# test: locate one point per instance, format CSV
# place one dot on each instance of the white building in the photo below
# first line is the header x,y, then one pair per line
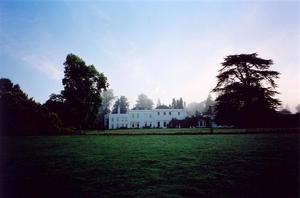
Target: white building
x,y
155,118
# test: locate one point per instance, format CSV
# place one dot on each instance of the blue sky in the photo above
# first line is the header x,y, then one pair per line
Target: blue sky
x,y
164,49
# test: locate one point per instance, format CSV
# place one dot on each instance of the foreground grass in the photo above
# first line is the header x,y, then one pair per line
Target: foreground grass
x,y
240,165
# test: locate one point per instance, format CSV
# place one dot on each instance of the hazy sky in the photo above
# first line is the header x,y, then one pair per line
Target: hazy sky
x,y
164,49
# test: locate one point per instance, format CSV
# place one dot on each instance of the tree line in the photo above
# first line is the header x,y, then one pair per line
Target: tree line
x,y
246,97
75,108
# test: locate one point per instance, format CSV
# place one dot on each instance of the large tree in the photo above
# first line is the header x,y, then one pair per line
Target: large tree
x,y
246,90
122,104
82,88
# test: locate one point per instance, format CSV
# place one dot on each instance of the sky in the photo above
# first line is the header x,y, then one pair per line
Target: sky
x,y
164,49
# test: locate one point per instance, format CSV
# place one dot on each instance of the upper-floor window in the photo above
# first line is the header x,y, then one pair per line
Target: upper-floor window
x,y
170,113
112,119
164,113
137,115
117,119
133,115
178,113
158,113
150,116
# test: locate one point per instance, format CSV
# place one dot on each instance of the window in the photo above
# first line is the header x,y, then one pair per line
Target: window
x,y
165,124
133,115
137,115
117,119
179,113
164,113
150,116
170,113
112,119
158,124
158,113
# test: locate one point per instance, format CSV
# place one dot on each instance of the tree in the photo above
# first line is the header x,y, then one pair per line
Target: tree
x,y
246,90
107,96
298,108
21,115
180,103
208,103
82,87
158,103
177,104
174,103
121,103
143,102
56,104
194,108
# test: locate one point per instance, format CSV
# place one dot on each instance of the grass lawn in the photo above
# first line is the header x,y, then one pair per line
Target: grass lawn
x,y
232,165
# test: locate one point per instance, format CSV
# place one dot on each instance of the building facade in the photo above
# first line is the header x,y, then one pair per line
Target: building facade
x,y
155,118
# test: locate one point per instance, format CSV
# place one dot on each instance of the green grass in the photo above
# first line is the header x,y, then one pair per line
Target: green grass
x,y
236,165
191,131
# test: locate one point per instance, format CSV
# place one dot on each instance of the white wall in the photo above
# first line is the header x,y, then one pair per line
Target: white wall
x,y
141,118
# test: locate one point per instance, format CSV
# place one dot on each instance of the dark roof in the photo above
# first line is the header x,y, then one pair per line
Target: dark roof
x,y
162,107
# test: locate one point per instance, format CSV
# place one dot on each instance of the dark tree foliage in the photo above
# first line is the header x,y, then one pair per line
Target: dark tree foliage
x,y
246,90
177,104
81,95
21,115
121,103
188,122
56,104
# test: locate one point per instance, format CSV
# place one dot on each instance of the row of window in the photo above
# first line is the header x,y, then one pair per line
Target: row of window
x,y
121,119
145,115
137,115
137,125
158,113
165,113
